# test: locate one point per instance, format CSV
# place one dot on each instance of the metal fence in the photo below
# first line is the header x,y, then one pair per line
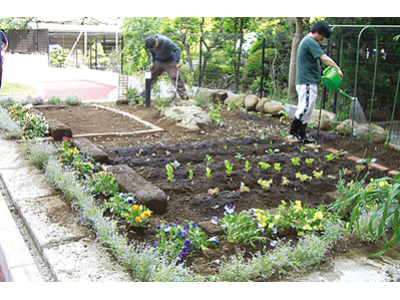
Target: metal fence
x,y
26,41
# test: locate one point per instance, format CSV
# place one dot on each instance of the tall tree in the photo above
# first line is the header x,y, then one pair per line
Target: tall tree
x,y
293,58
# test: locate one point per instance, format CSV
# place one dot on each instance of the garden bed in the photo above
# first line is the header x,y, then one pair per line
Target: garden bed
x,y
243,138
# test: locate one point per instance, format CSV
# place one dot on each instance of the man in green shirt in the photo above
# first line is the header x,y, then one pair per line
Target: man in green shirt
x,y
309,58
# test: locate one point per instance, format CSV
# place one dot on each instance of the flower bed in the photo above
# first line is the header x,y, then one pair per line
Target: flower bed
x,y
214,186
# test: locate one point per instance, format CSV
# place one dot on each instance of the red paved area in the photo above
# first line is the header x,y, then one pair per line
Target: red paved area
x,y
85,89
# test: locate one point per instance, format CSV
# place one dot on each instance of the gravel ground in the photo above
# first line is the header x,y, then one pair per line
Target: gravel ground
x,y
41,265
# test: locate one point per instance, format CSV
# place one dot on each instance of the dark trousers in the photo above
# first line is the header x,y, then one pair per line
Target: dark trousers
x,y
170,68
1,72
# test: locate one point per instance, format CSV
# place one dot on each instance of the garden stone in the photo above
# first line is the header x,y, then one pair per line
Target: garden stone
x,y
220,96
273,108
238,99
345,127
59,130
328,119
123,101
211,229
260,105
207,94
378,134
191,117
250,102
91,150
147,194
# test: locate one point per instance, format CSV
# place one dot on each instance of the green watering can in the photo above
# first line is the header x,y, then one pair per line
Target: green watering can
x,y
332,80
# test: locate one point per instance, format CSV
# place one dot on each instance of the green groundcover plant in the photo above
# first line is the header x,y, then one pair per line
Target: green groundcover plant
x,y
380,200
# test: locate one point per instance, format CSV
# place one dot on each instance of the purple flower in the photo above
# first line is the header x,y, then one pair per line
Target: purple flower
x,y
184,234
229,209
273,243
130,200
155,244
188,243
215,220
158,227
215,240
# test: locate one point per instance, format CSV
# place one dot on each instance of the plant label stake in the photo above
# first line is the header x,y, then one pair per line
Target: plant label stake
x,y
148,91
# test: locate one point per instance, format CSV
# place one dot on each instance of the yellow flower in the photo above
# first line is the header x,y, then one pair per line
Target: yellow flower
x,y
318,215
307,227
135,207
138,220
298,207
264,219
383,184
270,226
263,225
146,214
277,217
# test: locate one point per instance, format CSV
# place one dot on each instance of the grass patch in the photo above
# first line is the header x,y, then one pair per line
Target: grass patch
x,y
14,89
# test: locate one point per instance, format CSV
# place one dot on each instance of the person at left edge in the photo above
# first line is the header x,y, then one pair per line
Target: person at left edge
x,y
4,46
165,56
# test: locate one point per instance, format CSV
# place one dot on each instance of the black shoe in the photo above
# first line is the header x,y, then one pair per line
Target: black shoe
x,y
295,127
306,139
185,98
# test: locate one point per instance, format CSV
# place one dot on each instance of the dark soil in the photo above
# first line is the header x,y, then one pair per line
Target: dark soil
x,y
244,137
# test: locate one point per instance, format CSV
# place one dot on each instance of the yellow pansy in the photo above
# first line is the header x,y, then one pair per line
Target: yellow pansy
x,y
270,226
135,207
138,220
318,215
146,214
307,227
277,217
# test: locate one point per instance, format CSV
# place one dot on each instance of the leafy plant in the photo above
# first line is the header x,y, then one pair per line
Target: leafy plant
x,y
242,227
277,167
124,207
265,184
247,166
243,188
208,159
191,174
331,157
384,194
103,183
228,167
310,161
170,172
303,177
177,241
208,172
318,175
295,161
264,165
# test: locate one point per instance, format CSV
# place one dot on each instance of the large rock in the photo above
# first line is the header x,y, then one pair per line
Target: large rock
x,y
91,150
328,119
273,109
59,130
206,93
260,105
346,127
238,100
220,96
191,117
147,194
250,102
378,134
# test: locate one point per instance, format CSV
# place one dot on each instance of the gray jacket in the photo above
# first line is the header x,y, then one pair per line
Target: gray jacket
x,y
166,51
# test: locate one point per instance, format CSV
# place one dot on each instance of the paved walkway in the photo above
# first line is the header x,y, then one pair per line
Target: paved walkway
x,y
33,70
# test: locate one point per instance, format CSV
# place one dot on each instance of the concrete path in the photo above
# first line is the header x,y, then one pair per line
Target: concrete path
x,y
70,250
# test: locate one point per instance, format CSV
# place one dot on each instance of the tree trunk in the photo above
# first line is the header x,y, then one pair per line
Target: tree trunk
x,y
293,64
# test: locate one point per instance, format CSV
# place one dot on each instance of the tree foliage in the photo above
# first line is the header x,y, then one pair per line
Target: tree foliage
x,y
15,22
